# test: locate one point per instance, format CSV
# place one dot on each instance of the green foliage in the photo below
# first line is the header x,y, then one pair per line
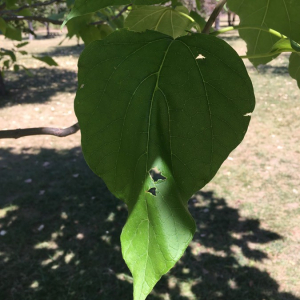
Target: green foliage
x,y
83,7
198,19
139,111
174,22
13,33
280,15
2,26
46,59
81,27
161,107
294,67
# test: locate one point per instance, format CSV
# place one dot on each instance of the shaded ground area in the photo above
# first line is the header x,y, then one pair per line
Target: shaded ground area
x,y
61,226
45,83
63,229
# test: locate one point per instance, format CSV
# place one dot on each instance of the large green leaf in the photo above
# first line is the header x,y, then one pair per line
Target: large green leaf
x,y
83,7
146,101
173,22
281,15
294,67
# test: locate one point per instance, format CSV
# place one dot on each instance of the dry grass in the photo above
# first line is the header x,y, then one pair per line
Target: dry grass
x,y
248,217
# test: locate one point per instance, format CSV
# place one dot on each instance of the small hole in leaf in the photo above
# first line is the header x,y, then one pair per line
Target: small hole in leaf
x,y
152,191
248,114
200,56
156,175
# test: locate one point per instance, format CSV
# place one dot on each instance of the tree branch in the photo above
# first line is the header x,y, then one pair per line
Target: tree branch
x,y
33,18
2,6
114,17
213,16
37,4
58,132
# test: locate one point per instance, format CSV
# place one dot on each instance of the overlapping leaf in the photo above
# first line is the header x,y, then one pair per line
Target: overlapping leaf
x,y
83,7
81,26
148,102
294,67
280,15
173,22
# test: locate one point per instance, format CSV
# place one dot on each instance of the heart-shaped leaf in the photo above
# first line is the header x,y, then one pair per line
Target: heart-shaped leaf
x,y
174,22
158,117
280,15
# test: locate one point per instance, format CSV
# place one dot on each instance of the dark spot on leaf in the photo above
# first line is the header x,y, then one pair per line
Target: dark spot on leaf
x,y
156,175
152,191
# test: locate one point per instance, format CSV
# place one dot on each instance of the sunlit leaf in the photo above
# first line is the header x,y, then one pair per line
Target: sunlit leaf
x,y
174,22
280,15
147,103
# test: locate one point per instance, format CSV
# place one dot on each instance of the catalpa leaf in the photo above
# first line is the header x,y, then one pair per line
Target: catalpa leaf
x,y
147,104
83,7
294,67
174,22
280,15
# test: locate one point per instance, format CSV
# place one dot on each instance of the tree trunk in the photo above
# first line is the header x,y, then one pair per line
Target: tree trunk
x,y
48,29
30,26
217,23
2,85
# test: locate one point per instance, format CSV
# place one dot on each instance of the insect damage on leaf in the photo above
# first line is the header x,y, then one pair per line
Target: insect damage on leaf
x,y
200,56
152,191
156,175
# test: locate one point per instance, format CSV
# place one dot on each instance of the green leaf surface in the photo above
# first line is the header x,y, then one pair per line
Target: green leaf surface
x,y
281,15
10,3
13,33
9,53
198,19
294,67
173,22
46,59
80,26
295,46
16,68
2,26
83,7
148,102
285,45
20,45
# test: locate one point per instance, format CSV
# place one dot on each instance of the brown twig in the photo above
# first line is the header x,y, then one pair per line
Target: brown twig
x,y
213,16
58,132
33,18
2,6
37,4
